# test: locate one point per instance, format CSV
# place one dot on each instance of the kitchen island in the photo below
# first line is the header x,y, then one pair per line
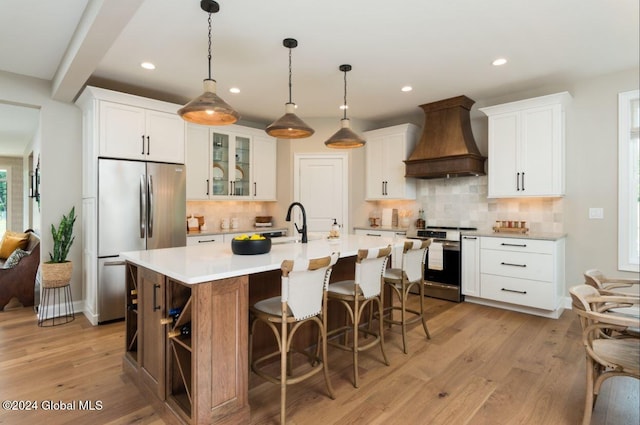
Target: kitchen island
x,y
187,321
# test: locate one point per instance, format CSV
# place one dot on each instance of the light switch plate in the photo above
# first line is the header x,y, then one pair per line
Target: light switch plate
x,y
596,213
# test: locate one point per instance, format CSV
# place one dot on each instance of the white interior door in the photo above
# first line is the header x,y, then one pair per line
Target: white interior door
x,y
321,185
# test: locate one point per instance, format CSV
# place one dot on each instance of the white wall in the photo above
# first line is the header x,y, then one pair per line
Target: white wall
x,y
592,174
324,128
60,160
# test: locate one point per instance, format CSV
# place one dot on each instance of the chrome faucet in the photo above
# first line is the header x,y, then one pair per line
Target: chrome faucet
x,y
303,231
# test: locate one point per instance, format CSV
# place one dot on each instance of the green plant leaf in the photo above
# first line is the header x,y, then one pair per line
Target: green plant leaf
x,y
63,237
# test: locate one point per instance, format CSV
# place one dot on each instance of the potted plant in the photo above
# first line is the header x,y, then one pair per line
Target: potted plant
x,y
57,271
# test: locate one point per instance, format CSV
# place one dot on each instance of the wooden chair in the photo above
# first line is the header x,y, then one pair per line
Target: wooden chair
x,y
355,295
611,286
610,349
303,299
401,281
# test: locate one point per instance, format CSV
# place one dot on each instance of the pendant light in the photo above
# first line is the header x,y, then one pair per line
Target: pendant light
x,y
289,126
209,108
345,138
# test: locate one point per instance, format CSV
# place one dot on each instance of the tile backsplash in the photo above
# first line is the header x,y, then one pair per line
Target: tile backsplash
x,y
214,212
462,201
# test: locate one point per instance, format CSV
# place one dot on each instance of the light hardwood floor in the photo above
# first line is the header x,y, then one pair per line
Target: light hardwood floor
x,y
482,366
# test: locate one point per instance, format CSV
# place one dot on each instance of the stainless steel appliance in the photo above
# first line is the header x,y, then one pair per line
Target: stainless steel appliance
x,y
442,274
141,205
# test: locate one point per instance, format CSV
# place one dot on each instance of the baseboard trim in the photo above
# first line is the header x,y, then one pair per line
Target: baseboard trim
x,y
551,314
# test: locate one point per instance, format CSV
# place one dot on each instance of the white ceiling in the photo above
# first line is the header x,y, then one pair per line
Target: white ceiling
x,y
441,48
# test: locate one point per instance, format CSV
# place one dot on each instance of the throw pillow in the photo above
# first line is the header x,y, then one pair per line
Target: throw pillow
x,y
12,241
15,258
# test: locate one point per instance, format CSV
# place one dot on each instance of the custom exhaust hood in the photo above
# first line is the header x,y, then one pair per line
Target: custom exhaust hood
x,y
447,147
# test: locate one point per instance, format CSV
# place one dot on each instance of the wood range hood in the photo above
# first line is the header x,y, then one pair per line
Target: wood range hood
x,y
447,147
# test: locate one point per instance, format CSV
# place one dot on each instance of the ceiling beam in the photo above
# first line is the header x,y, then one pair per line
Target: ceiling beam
x,y
100,25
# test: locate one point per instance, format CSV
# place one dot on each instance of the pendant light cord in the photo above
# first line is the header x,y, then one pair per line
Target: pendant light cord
x,y
209,57
345,95
290,75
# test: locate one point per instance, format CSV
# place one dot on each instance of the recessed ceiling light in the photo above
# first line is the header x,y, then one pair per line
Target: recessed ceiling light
x,y
407,88
499,61
147,65
234,90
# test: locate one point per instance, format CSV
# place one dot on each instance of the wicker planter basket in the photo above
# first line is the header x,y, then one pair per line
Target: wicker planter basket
x,y
56,275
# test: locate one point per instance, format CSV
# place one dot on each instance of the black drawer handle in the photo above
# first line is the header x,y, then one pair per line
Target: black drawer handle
x,y
514,244
514,265
514,291
469,237
208,240
372,234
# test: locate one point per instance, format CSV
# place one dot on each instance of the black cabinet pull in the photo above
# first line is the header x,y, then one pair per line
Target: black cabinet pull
x,y
373,234
469,237
142,144
518,181
383,187
514,244
148,146
523,180
255,189
514,265
514,291
206,241
207,187
155,297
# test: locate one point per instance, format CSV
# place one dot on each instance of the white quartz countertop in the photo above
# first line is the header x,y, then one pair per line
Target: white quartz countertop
x,y
207,262
531,235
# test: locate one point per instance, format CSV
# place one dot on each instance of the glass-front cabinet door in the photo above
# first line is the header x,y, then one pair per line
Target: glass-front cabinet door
x,y
241,183
221,165
231,165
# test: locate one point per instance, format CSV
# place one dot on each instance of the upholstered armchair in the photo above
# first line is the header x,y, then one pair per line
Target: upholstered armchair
x,y
19,280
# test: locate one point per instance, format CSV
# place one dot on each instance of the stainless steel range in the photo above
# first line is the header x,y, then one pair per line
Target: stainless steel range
x,y
442,266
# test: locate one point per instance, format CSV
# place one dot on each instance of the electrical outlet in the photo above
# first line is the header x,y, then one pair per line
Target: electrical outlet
x,y
596,213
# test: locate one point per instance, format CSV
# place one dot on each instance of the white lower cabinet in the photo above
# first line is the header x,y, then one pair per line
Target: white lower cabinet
x,y
204,239
396,254
470,265
514,273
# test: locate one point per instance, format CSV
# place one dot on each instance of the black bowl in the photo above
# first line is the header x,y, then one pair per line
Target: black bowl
x,y
251,246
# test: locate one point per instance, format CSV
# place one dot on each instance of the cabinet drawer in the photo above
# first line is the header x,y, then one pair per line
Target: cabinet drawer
x,y
199,240
521,265
382,233
525,292
517,244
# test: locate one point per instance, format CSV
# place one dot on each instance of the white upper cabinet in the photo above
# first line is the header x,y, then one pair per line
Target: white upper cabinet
x,y
133,127
231,162
264,159
385,152
526,147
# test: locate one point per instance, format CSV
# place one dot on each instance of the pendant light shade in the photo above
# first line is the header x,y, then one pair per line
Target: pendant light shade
x,y
345,138
209,108
289,126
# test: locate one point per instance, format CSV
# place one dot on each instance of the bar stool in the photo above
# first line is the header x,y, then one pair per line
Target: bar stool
x,y
57,296
355,295
401,281
303,299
